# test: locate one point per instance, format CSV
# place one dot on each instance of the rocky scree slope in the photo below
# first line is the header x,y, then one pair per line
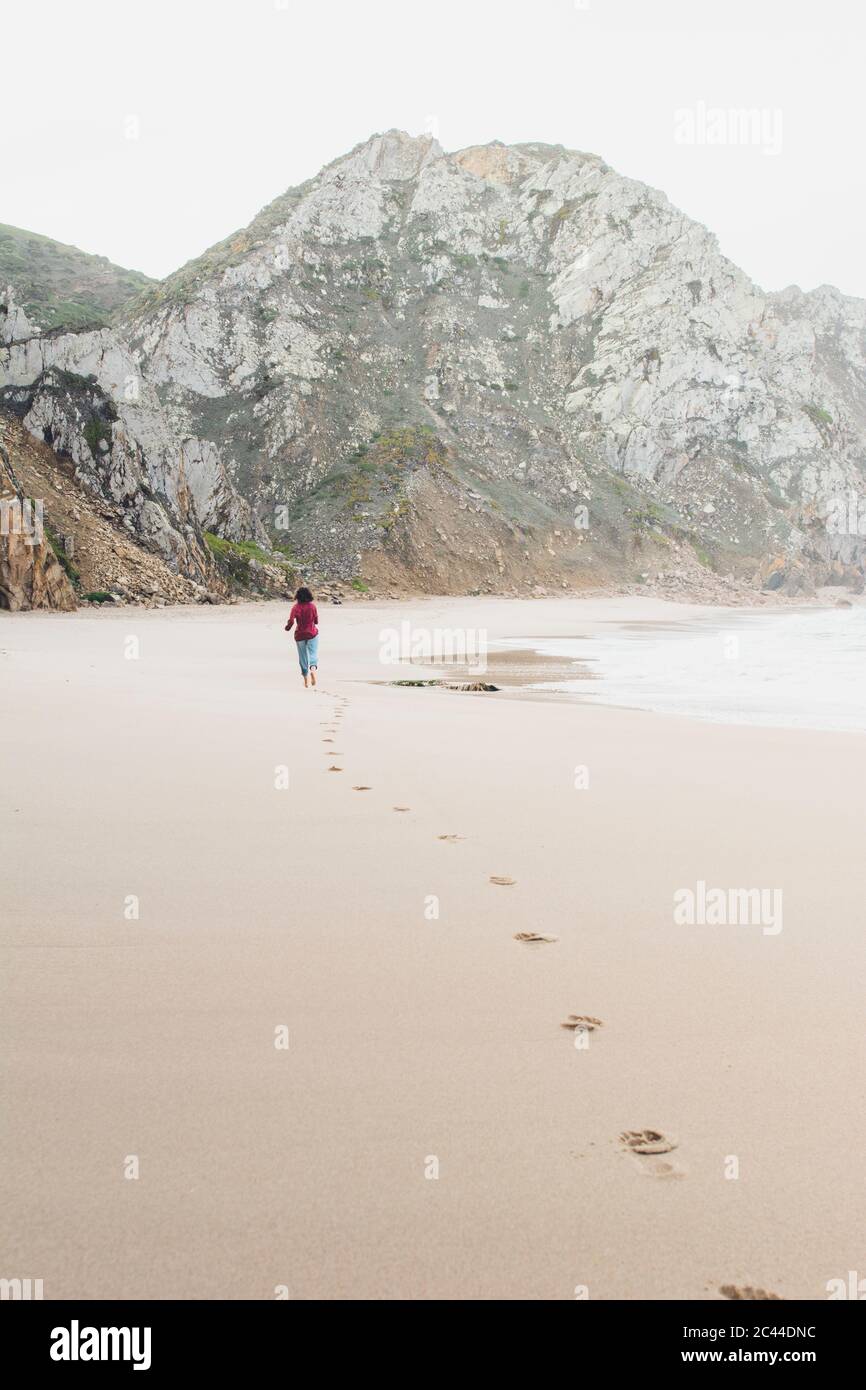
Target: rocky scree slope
x,y
99,561
30,574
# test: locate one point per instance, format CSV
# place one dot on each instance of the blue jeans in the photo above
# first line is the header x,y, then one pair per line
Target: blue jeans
x,y
308,654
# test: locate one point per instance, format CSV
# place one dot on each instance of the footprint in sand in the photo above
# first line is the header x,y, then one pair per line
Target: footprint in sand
x,y
658,1168
746,1291
647,1145
502,880
581,1023
450,839
533,938
647,1141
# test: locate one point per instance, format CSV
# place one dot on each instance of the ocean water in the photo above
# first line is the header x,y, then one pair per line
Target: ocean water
x,y
793,669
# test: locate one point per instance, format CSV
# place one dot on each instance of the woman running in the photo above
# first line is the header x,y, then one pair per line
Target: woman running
x,y
305,619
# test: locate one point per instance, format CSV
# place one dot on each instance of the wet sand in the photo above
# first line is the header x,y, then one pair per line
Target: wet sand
x,y
417,1043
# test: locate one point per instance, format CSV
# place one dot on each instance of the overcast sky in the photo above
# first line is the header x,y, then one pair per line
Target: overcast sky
x,y
147,131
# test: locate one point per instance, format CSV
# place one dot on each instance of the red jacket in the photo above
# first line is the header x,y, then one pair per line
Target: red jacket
x,y
306,618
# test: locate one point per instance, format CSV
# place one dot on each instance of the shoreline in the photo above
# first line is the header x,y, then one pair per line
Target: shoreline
x,y
723,594
582,666
413,1037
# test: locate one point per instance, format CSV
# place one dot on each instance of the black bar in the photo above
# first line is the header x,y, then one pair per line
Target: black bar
x,y
219,1339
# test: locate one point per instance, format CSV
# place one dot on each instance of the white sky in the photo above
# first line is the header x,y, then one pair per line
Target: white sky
x,y
237,100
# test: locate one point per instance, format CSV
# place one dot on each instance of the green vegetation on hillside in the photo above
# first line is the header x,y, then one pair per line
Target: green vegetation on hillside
x,y
237,558
819,417
61,287
59,548
248,550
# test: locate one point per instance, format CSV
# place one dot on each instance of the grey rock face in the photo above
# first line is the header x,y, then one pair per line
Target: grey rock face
x,y
85,395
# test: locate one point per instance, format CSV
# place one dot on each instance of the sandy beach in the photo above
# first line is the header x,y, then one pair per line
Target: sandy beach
x,y
430,1131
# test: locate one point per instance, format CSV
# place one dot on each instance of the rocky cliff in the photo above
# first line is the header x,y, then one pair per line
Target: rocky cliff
x,y
499,368
30,574
86,552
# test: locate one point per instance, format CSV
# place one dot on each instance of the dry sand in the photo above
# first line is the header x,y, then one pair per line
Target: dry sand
x,y
412,1038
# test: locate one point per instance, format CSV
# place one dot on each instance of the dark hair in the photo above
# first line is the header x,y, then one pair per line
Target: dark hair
x,y
303,596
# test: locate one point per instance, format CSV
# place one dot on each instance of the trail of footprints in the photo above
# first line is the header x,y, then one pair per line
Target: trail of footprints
x,y
331,726
647,1148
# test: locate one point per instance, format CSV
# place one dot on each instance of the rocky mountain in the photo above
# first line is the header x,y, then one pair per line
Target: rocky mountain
x,y
61,287
500,368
